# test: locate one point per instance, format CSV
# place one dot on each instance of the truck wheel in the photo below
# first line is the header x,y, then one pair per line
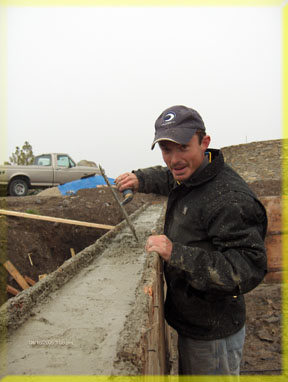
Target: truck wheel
x,y
18,187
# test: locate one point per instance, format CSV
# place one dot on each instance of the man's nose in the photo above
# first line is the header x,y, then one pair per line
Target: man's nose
x,y
175,157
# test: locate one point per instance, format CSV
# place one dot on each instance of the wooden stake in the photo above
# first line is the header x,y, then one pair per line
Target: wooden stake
x,y
12,290
55,220
29,280
72,252
15,274
29,255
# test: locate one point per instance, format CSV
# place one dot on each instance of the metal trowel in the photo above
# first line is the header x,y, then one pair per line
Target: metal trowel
x,y
119,203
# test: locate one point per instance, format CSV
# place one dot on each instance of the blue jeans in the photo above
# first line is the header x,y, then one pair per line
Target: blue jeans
x,y
217,357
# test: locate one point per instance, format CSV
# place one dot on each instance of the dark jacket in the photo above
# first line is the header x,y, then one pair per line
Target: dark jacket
x,y
217,226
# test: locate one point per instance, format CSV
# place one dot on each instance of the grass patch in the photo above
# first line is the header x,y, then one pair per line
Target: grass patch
x,y
32,211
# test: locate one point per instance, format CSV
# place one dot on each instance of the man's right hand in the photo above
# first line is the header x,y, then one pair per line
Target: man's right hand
x,y
127,180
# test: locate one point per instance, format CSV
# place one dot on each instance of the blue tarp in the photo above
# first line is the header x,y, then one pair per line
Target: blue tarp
x,y
91,182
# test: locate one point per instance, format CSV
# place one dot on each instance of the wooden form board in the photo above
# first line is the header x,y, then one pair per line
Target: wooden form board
x,y
155,345
55,220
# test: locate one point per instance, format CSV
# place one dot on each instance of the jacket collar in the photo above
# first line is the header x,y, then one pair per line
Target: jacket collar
x,y
206,171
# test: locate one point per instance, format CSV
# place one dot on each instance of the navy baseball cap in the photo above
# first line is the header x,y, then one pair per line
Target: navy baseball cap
x,y
177,124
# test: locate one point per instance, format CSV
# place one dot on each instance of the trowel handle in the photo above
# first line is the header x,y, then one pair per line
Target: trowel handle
x,y
127,195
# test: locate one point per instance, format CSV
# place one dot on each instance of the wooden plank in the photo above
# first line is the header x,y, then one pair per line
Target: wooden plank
x,y
155,348
15,274
12,290
274,246
55,220
29,280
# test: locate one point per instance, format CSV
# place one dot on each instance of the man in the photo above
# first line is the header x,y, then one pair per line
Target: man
x,y
212,247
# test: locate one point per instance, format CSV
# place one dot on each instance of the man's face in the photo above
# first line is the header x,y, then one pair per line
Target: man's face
x,y
183,160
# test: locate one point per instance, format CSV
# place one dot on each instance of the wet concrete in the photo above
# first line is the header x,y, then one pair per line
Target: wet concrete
x,y
77,327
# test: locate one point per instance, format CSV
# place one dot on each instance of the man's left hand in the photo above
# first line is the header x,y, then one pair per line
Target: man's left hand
x,y
160,244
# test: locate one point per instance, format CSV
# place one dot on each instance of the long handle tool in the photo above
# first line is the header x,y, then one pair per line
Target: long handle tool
x,y
119,203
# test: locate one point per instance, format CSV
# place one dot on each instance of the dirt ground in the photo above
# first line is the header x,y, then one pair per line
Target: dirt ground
x,y
37,247
48,244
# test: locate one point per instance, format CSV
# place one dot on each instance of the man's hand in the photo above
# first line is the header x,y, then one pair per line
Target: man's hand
x,y
127,180
160,244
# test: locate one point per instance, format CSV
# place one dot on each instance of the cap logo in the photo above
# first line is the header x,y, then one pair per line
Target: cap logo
x,y
168,117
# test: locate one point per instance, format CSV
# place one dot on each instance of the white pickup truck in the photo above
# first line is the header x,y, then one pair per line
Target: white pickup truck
x,y
47,170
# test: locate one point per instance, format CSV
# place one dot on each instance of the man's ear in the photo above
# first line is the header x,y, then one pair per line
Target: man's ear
x,y
205,142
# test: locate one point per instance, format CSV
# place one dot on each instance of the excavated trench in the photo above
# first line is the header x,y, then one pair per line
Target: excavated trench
x,y
92,315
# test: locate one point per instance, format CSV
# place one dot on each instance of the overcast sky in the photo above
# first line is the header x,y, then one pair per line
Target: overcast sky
x,y
92,81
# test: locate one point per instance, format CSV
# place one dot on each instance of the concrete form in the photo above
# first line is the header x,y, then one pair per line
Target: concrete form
x,y
98,314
